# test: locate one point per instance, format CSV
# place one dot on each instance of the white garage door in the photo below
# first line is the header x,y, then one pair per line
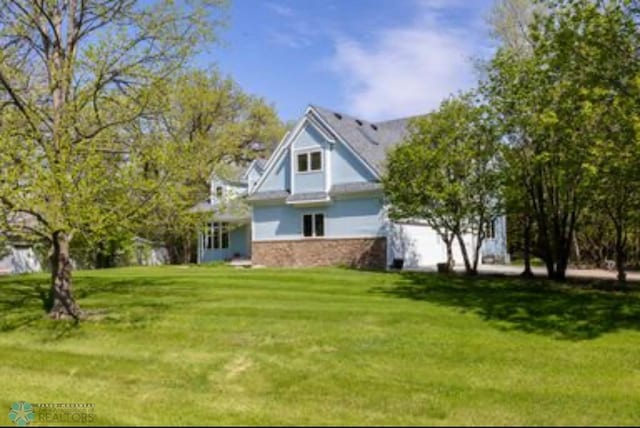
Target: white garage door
x,y
420,246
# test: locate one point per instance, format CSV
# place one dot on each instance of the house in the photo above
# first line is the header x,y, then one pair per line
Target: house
x,y
17,254
228,233
19,257
318,200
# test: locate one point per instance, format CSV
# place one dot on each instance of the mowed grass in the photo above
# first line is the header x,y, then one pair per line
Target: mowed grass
x,y
204,345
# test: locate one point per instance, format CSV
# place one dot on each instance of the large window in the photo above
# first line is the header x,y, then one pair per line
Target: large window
x,y
309,161
216,236
313,225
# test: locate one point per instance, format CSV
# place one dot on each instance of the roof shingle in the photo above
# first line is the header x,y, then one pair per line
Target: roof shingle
x,y
371,140
268,195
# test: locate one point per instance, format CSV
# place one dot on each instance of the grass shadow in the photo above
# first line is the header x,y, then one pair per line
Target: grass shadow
x,y
572,311
23,301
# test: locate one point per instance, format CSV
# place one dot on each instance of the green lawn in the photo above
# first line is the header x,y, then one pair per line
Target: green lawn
x,y
205,345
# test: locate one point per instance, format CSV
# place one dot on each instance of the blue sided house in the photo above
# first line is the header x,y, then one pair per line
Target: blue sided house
x,y
318,201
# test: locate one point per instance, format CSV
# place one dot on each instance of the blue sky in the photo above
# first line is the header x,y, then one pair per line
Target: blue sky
x,y
376,59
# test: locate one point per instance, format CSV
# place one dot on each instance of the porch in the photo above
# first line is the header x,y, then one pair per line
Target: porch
x,y
225,235
224,241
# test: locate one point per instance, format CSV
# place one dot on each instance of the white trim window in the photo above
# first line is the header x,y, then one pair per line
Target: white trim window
x,y
207,237
490,229
216,236
309,161
313,225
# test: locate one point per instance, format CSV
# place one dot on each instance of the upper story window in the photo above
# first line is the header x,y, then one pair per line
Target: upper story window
x,y
312,225
219,191
316,161
309,161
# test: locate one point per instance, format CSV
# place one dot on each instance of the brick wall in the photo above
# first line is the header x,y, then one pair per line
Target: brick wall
x,y
354,252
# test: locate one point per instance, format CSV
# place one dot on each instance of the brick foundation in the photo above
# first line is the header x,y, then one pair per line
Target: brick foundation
x,y
354,252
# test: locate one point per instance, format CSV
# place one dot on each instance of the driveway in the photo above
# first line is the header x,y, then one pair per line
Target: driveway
x,y
541,271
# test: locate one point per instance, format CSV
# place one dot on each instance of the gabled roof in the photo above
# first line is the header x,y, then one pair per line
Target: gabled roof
x,y
232,211
261,163
370,140
257,164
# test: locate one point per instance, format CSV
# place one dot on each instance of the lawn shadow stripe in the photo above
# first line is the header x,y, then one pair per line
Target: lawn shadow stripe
x,y
563,311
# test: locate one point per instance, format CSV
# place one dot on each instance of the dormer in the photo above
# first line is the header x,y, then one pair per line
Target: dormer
x,y
217,190
310,155
317,160
222,189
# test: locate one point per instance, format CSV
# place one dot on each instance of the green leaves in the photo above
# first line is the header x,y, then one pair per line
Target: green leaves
x,y
570,106
205,123
447,172
79,87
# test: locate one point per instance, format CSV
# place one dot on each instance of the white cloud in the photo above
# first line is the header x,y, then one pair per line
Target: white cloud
x,y
290,40
280,9
407,70
292,29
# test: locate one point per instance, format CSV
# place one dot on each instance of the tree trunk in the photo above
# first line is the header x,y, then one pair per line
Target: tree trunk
x,y
465,256
186,245
551,270
174,251
576,249
563,240
449,243
478,247
62,303
528,273
560,273
621,253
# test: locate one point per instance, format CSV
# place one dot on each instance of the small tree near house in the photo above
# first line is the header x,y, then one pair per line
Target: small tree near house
x,y
446,174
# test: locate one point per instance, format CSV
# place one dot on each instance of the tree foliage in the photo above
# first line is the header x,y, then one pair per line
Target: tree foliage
x,y
510,22
206,124
569,109
447,174
73,75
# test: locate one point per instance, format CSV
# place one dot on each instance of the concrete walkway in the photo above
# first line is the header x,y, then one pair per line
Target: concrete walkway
x,y
240,263
514,270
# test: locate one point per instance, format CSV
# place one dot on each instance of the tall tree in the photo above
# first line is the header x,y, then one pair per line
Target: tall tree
x,y
510,22
554,101
73,74
454,184
614,88
206,122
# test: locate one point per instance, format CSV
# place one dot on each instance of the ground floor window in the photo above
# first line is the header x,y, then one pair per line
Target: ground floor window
x,y
313,225
490,229
216,236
